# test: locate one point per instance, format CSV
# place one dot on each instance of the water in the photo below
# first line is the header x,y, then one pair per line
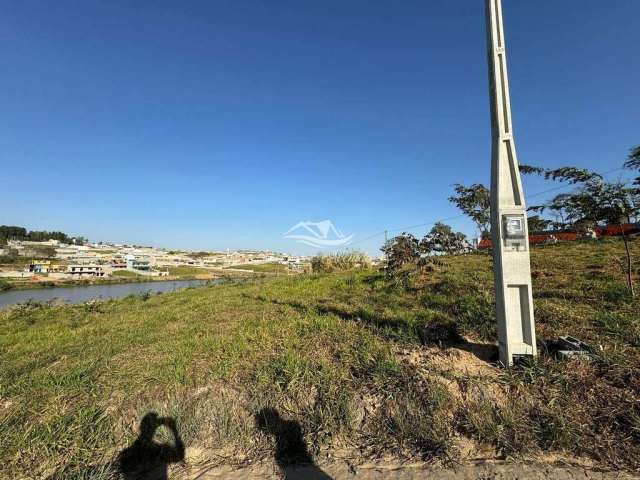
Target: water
x,y
85,293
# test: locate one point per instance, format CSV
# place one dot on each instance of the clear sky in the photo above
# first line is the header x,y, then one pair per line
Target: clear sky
x,y
220,124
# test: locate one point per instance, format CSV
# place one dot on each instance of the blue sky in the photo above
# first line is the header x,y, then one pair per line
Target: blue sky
x,y
212,125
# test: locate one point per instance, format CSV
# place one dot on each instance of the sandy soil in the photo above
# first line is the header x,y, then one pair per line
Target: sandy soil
x,y
478,463
375,471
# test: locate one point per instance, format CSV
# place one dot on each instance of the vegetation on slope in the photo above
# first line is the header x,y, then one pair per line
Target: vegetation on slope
x,y
340,262
187,271
125,274
270,267
355,360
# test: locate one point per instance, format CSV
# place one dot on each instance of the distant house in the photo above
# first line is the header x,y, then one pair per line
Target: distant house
x,y
137,263
39,266
86,270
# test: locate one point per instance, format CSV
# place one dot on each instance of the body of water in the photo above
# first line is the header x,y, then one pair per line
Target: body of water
x,y
85,293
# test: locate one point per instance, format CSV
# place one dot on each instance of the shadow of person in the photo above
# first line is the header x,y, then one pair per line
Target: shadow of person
x,y
291,454
146,459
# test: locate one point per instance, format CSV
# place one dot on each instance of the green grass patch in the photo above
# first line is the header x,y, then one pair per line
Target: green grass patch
x,y
125,274
186,271
271,267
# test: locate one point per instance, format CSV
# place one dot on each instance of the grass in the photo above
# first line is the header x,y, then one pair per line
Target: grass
x,y
125,274
187,271
14,260
270,267
350,357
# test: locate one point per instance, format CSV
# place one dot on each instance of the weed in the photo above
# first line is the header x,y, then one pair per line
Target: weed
x,y
413,416
339,262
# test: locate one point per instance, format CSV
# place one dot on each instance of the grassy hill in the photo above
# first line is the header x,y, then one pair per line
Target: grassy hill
x,y
365,367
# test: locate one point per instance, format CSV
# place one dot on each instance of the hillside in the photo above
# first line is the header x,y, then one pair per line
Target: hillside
x,y
366,368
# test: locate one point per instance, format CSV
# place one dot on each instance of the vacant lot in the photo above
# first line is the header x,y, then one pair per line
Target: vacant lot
x,y
365,368
270,267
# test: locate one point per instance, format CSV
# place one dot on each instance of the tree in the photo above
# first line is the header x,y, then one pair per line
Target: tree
x,y
537,223
528,169
407,257
475,202
633,162
595,202
401,250
567,210
620,204
571,175
20,233
8,232
443,240
404,259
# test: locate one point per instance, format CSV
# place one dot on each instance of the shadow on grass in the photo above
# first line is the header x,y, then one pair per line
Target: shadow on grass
x,y
441,333
483,351
291,454
146,459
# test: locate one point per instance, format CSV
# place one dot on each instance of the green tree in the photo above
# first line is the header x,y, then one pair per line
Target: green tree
x,y
8,232
475,202
537,223
20,233
443,240
407,257
400,251
594,202
633,162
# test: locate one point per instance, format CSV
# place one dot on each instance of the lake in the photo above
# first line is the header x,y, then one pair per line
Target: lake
x,y
85,293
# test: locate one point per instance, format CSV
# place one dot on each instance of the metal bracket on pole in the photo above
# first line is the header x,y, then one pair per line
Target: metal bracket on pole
x,y
509,231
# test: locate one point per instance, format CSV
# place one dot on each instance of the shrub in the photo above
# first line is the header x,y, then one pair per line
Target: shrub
x,y
339,262
407,259
10,257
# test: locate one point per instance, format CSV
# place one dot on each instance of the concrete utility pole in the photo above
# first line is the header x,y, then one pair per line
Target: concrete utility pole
x,y
509,231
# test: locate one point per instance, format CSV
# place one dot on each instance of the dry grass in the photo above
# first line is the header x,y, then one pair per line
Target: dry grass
x,y
340,262
270,267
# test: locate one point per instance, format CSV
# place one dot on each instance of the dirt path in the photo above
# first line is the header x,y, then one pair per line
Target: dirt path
x,y
375,471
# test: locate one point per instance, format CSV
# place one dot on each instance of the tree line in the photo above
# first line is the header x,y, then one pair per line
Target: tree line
x,y
8,232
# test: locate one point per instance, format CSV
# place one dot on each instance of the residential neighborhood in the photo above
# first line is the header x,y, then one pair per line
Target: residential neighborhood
x,y
55,260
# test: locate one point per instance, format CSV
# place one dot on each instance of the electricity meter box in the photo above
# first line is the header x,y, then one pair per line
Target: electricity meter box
x,y
514,232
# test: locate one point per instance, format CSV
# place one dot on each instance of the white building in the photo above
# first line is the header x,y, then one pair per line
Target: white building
x,y
85,270
137,263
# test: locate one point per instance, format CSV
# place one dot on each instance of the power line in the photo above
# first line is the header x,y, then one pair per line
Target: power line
x,y
409,227
448,219
562,187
